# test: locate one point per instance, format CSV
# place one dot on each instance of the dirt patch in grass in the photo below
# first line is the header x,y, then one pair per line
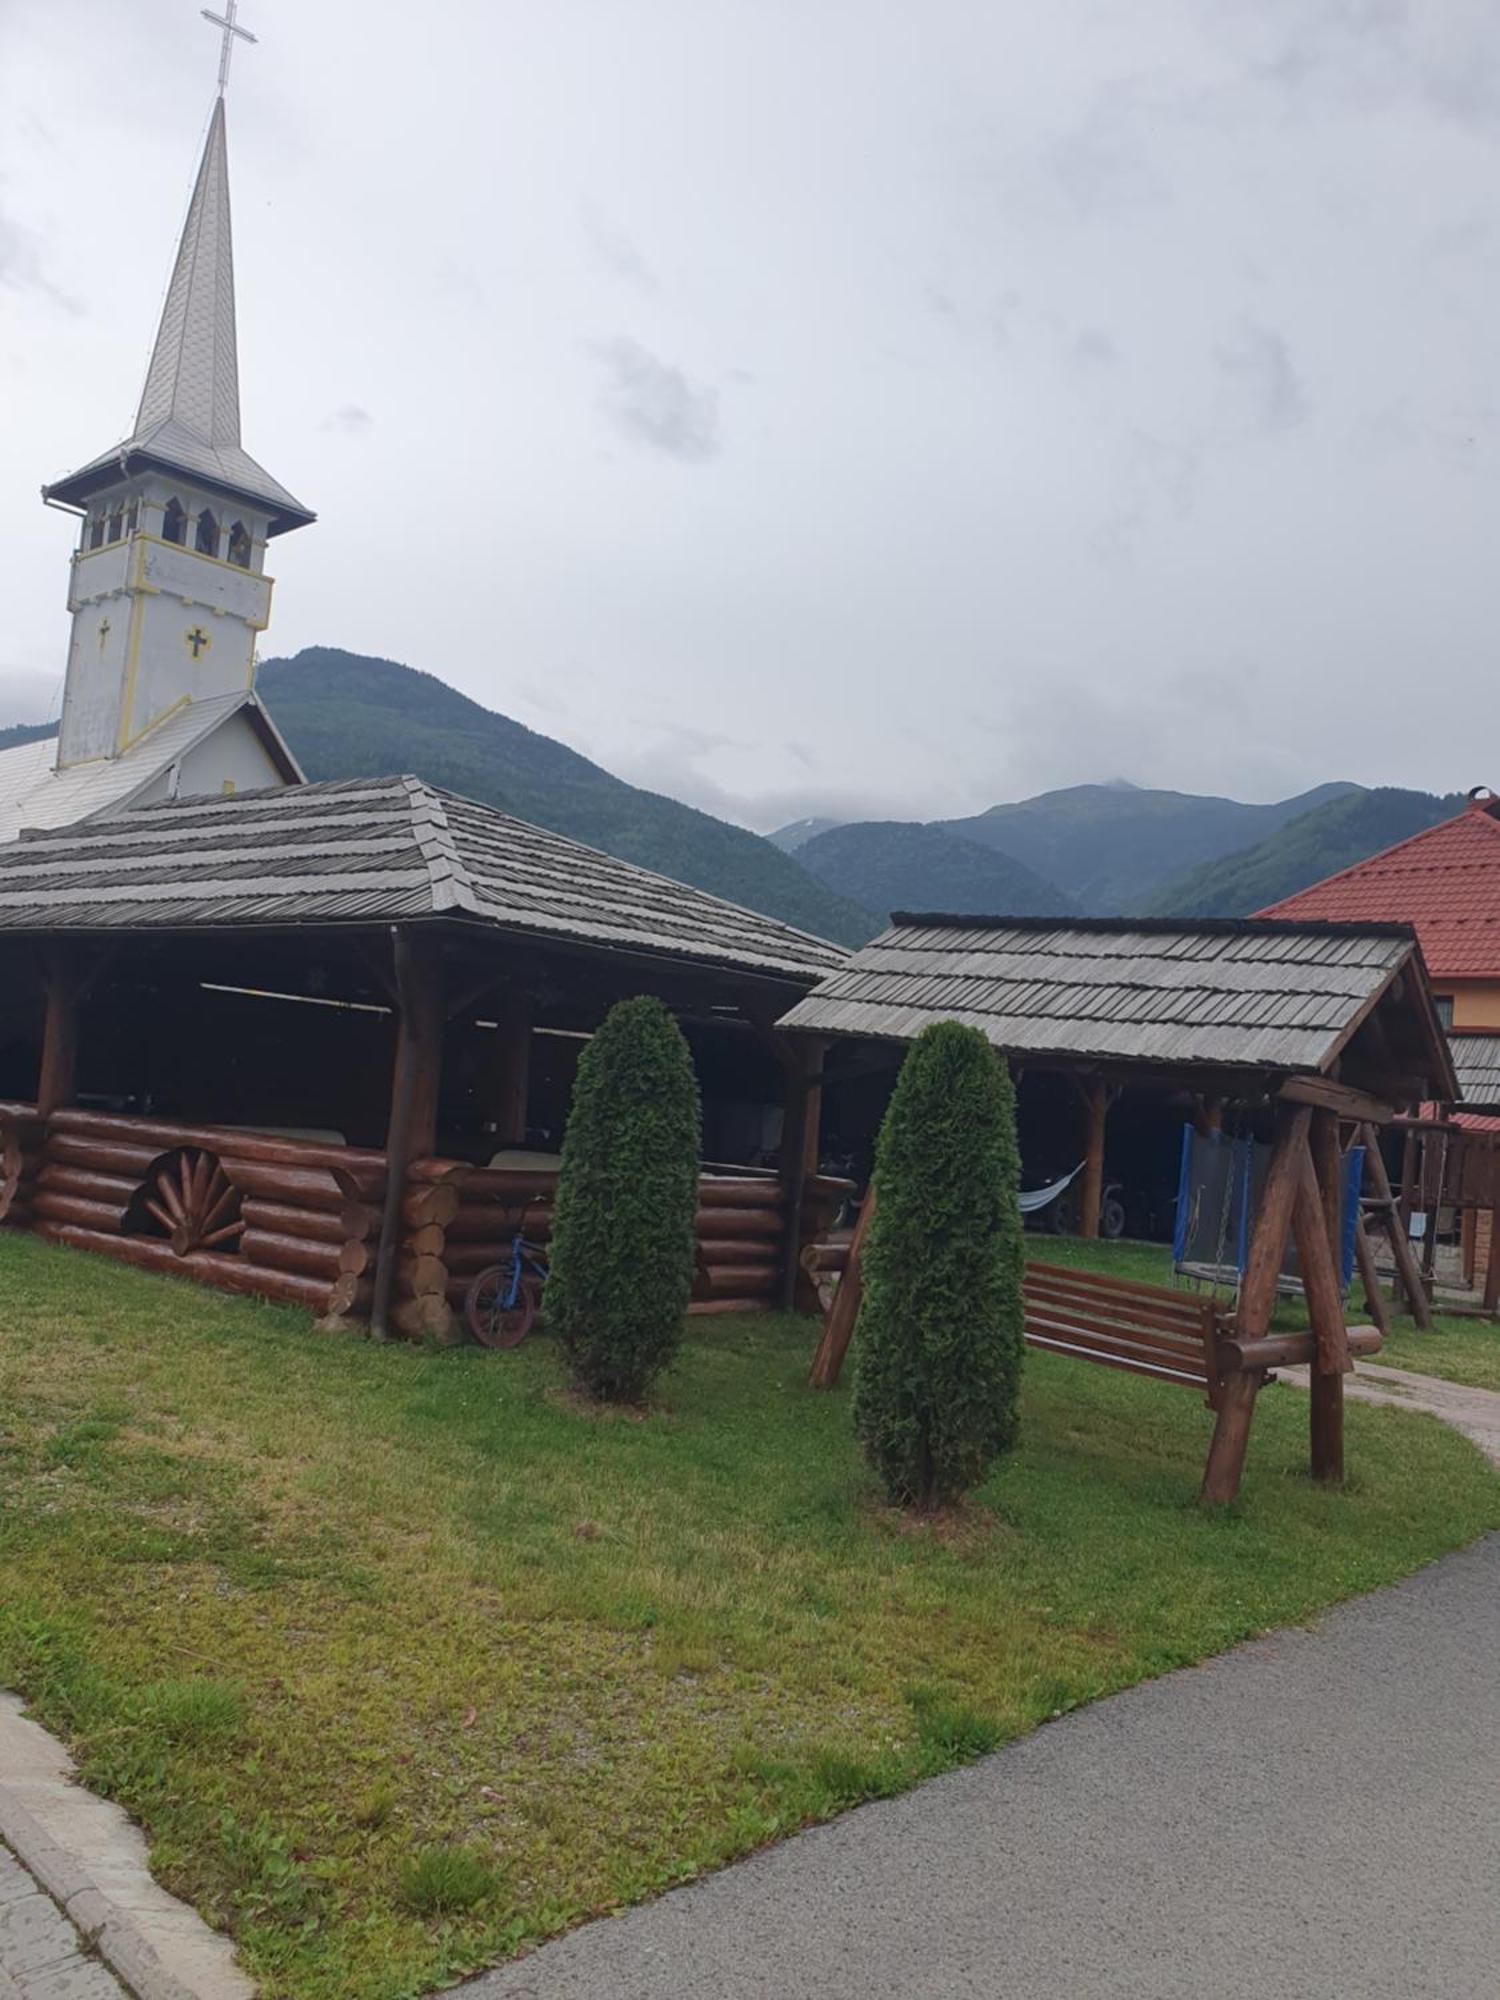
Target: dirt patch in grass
x,y
312,1608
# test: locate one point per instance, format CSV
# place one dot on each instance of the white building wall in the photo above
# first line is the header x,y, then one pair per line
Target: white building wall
x,y
232,758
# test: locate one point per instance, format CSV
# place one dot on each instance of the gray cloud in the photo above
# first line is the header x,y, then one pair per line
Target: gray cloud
x,y
1068,326
1257,365
617,252
655,404
349,418
23,267
1442,54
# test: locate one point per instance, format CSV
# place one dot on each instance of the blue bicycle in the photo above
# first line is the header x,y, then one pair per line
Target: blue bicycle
x,y
502,1303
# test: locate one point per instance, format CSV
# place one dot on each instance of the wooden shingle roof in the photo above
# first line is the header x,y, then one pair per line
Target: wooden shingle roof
x,y
1476,1059
1166,993
375,851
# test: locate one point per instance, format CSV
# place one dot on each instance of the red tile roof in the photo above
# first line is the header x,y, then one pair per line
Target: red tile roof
x,y
1445,881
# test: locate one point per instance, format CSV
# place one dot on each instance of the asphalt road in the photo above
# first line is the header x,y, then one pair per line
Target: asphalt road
x,y
1315,1815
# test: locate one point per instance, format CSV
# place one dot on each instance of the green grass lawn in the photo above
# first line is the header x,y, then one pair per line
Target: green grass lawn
x,y
404,1660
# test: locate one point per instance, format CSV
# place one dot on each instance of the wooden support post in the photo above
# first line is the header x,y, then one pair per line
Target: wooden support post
x,y
1492,1265
1273,1220
1369,1278
1226,1455
801,1129
1091,1181
1328,1163
838,1328
64,984
1409,1278
510,1074
415,1084
1429,1235
1409,1160
1325,1312
1208,1114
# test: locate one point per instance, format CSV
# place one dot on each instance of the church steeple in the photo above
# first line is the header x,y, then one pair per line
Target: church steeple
x,y
194,377
168,587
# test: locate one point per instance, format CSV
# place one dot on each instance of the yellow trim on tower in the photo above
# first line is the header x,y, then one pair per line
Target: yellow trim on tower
x,y
182,701
123,738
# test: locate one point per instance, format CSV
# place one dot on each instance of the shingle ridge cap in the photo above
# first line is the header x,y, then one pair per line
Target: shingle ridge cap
x,y
451,884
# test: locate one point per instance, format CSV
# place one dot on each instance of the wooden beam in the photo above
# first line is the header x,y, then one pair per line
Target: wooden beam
x,y
509,1092
1319,1273
1369,1278
801,1128
838,1328
1328,1094
1328,1164
1273,1220
411,1132
1091,1182
1325,1312
57,1074
1408,1276
1226,1454
1492,1266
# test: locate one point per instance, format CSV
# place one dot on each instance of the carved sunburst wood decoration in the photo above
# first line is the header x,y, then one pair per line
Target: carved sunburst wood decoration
x,y
195,1202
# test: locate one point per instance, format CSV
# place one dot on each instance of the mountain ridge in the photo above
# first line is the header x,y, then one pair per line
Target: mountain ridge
x,y
354,715
886,865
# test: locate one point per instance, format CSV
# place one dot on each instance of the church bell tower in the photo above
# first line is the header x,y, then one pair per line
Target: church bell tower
x,y
168,590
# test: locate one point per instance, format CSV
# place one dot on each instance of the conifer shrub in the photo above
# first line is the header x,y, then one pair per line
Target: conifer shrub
x,y
622,1247
938,1342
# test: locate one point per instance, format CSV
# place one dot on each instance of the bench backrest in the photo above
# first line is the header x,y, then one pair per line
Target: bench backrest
x,y
1146,1329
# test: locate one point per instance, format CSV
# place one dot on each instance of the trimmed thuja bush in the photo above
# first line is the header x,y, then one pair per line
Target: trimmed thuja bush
x,y
939,1335
621,1254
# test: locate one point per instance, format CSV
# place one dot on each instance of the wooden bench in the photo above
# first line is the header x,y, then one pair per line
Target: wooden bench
x,y
1171,1336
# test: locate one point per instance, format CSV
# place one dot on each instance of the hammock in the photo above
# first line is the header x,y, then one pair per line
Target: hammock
x,y
1036,1199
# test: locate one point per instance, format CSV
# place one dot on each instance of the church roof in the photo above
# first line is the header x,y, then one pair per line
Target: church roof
x,y
376,851
189,417
33,794
1445,881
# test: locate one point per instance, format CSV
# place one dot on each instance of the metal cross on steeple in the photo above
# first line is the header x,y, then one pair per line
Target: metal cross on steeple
x,y
231,28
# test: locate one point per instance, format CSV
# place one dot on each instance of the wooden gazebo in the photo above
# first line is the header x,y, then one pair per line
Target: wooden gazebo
x,y
297,1042
1322,1031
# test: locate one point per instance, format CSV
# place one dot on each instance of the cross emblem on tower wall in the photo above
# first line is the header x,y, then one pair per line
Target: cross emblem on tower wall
x,y
197,640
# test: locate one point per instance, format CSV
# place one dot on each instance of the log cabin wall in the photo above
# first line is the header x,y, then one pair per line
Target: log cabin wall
x,y
20,1160
298,1220
280,1218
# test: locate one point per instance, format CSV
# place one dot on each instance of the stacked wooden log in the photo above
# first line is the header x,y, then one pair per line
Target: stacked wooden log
x,y
20,1160
299,1220
741,1226
286,1219
488,1205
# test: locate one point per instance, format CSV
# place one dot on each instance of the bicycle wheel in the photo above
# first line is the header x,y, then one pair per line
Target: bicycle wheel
x,y
492,1322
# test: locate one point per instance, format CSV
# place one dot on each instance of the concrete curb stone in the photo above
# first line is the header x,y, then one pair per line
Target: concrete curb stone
x,y
108,1930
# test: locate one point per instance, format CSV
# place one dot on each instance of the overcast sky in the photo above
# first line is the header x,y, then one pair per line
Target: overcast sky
x,y
862,406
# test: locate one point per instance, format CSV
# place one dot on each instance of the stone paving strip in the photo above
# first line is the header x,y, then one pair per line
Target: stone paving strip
x,y
80,1916
42,1955
1475,1412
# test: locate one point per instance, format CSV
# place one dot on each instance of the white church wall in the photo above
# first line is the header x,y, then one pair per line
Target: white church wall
x,y
232,758
157,623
